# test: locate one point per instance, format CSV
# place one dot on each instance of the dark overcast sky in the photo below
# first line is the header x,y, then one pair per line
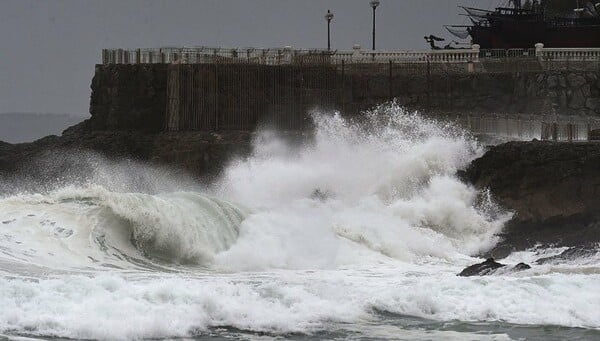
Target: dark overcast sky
x,y
48,48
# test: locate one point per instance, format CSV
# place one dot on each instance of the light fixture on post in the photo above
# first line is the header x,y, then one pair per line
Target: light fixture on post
x,y
374,5
329,17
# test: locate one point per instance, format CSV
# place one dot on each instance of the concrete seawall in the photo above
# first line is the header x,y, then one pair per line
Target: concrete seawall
x,y
221,97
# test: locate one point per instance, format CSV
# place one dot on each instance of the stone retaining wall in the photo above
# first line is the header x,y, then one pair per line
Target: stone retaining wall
x,y
136,97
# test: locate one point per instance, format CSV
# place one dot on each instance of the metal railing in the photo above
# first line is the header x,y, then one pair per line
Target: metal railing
x,y
194,55
507,53
205,55
587,54
286,55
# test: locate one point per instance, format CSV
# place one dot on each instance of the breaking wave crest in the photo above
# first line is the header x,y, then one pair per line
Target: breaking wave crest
x,y
94,226
384,187
363,223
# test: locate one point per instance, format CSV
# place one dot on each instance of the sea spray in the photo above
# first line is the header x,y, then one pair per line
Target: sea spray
x,y
358,233
361,191
57,169
385,184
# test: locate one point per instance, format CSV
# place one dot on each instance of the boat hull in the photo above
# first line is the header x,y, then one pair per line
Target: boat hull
x,y
506,35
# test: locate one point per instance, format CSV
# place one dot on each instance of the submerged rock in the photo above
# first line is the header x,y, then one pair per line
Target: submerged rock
x,y
570,255
481,269
521,267
489,267
320,195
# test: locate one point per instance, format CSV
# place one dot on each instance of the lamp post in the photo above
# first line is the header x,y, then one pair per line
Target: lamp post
x,y
329,17
374,4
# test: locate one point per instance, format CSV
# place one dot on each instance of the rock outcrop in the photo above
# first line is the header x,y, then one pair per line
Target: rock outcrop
x,y
552,188
571,254
490,267
201,154
129,97
481,269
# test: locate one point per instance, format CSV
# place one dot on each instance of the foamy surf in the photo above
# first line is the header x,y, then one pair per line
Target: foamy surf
x,y
357,233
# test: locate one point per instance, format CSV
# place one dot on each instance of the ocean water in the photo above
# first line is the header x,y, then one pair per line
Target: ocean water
x,y
357,234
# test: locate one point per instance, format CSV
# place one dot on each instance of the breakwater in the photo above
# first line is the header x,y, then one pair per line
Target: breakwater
x,y
234,90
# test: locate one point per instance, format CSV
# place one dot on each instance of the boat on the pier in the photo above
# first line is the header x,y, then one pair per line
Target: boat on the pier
x,y
522,25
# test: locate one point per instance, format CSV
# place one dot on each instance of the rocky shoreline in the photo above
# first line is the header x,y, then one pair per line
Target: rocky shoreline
x,y
202,154
553,189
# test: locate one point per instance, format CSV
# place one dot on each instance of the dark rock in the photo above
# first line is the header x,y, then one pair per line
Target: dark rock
x,y
576,81
552,188
586,90
592,103
552,81
490,267
540,78
481,269
129,97
562,98
577,99
594,135
562,81
321,195
570,254
521,267
202,154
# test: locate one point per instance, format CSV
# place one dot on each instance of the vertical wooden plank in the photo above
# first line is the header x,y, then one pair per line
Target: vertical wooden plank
x,y
172,121
343,86
215,103
390,79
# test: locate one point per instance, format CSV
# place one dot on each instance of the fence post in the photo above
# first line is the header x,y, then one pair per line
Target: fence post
x,y
476,50
428,69
539,53
216,94
287,54
391,91
356,55
343,86
539,50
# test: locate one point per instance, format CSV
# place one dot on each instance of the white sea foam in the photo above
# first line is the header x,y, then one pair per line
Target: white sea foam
x,y
109,307
387,185
368,217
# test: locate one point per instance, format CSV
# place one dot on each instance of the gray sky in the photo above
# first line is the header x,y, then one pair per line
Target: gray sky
x,y
49,47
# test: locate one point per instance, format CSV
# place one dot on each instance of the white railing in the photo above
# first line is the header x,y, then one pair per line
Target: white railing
x,y
200,55
567,54
433,56
287,55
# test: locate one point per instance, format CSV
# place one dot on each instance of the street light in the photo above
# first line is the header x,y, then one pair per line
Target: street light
x,y
374,4
328,17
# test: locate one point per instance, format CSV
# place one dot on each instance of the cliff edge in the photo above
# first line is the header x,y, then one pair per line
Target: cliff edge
x,y
552,188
